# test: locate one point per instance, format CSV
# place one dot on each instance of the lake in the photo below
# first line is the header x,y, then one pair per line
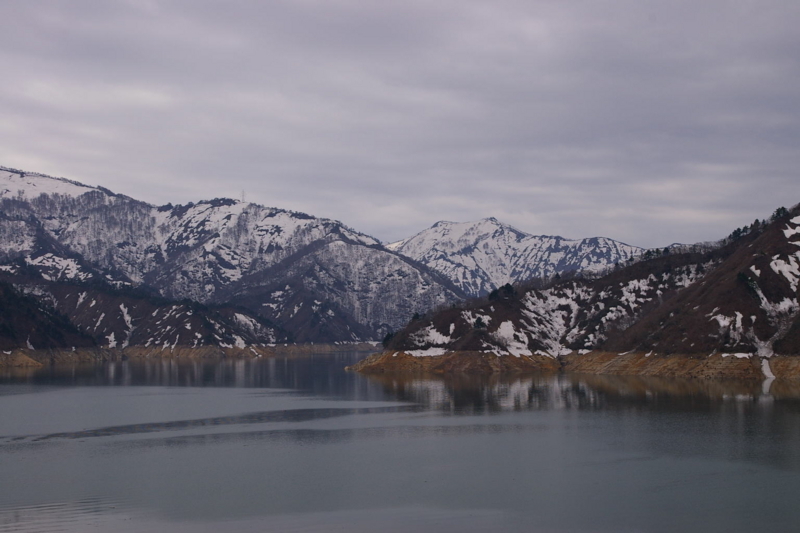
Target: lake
x,y
298,444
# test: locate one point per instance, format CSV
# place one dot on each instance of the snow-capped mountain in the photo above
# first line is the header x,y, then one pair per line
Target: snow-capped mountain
x,y
480,256
739,300
325,280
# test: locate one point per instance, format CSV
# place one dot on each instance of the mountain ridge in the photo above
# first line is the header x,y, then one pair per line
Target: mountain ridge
x,y
485,254
735,301
204,250
314,278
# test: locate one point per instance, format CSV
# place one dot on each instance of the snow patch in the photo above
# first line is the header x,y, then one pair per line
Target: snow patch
x,y
765,368
53,267
737,355
246,321
790,231
429,336
789,269
513,341
470,318
429,352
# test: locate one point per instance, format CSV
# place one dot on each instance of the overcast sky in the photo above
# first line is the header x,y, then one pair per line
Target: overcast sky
x,y
648,122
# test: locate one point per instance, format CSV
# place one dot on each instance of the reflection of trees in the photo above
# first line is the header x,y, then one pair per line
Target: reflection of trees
x,y
723,419
323,375
319,374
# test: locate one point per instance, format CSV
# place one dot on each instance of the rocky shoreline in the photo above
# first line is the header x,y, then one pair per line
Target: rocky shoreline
x,y
24,358
599,363
392,363
453,363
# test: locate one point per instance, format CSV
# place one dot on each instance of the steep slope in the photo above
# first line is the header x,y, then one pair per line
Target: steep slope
x,y
480,256
26,323
216,250
740,299
747,306
110,317
570,315
333,280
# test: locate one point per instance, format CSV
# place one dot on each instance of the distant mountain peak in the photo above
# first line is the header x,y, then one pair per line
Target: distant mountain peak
x,y
739,299
343,285
481,255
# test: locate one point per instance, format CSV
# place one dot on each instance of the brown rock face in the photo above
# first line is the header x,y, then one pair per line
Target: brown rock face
x,y
598,363
17,360
637,364
35,358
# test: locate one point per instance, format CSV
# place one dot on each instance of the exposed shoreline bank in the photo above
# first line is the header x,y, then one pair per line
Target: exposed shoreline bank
x,y
24,358
599,363
454,363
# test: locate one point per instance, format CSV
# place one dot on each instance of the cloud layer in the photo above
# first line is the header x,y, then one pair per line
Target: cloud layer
x,y
648,122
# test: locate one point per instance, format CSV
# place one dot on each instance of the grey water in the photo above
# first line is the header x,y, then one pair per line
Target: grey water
x,y
299,444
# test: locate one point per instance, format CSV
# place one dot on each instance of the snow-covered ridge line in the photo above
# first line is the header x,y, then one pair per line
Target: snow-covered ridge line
x,y
23,173
39,188
219,250
737,298
30,184
480,256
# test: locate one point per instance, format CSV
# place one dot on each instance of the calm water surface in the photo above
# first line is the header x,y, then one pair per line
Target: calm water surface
x,y
297,444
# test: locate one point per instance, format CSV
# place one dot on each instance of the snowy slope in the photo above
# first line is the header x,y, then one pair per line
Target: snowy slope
x,y
480,256
216,250
26,322
738,300
571,315
17,183
117,319
380,290
748,306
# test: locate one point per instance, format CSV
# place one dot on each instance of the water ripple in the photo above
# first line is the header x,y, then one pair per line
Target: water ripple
x,y
263,417
84,514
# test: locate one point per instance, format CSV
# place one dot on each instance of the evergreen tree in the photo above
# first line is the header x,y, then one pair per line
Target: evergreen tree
x,y
387,339
780,213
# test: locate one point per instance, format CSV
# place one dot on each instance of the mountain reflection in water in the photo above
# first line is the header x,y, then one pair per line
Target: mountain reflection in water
x,y
480,394
323,375
298,443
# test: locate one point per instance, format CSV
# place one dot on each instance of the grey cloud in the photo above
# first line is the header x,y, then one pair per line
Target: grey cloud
x,y
648,122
